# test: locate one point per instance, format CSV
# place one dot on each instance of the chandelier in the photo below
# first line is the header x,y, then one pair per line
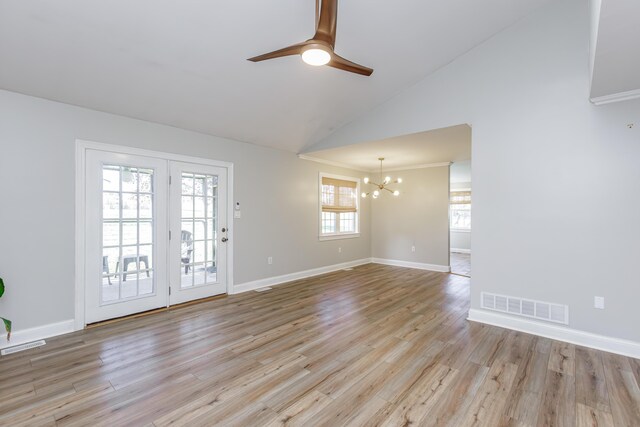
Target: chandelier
x,y
383,184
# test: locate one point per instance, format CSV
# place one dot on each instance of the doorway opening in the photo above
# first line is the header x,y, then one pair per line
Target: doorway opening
x,y
460,196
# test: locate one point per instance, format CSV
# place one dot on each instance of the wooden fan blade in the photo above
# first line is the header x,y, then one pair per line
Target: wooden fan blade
x,y
296,49
326,30
346,65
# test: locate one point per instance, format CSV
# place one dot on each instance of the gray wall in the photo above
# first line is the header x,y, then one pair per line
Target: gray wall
x,y
460,240
550,170
418,217
37,149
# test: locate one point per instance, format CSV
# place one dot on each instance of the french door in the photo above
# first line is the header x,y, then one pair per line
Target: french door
x,y
154,233
198,202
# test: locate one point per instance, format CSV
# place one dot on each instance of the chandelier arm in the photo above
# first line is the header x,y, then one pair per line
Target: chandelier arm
x,y
373,183
390,191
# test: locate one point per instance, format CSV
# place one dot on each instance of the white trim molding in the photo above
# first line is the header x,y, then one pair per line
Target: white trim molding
x,y
616,97
285,278
373,170
412,167
410,264
37,333
556,332
460,251
329,162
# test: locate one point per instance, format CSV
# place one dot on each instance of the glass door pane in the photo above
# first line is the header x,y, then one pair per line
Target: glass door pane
x,y
199,193
127,233
198,200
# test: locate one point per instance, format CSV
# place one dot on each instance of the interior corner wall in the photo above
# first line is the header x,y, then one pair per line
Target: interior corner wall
x,y
554,177
418,218
37,226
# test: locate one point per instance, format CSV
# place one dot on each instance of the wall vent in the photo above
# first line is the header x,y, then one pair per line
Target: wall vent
x,y
22,347
540,310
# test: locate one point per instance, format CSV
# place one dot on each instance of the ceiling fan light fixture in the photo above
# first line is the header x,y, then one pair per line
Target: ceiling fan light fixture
x,y
316,56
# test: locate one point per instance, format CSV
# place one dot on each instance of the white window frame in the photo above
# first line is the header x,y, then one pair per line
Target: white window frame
x,y
458,230
338,235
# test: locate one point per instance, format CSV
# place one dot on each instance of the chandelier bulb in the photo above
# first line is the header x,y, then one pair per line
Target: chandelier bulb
x,y
364,195
387,179
376,193
374,196
396,193
399,180
366,180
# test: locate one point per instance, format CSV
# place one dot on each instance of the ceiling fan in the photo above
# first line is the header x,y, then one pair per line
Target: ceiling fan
x,y
319,50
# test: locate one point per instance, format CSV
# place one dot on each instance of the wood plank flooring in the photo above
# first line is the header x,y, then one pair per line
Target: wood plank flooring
x,y
375,346
460,263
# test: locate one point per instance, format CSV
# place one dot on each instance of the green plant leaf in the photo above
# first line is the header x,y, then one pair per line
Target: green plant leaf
x,y
1,287
7,326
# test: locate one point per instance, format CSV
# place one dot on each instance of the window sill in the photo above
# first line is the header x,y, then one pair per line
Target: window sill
x,y
338,236
461,230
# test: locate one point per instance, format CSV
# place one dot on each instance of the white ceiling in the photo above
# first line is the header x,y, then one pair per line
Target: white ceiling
x,y
616,67
183,63
452,144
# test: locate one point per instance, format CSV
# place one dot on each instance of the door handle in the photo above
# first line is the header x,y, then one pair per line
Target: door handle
x,y
224,239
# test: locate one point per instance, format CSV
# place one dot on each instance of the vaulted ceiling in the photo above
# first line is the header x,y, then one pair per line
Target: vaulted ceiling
x,y
183,63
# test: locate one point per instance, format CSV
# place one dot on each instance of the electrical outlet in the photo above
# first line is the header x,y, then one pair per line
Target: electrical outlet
x,y
339,250
598,302
413,248
270,260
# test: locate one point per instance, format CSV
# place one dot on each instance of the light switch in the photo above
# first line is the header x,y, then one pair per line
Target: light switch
x,y
598,302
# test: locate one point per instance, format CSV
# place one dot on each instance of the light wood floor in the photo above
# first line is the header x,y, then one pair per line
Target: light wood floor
x,y
378,345
460,263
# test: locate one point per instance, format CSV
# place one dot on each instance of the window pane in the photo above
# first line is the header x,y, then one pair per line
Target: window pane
x,y
199,185
146,206
187,207
111,205
328,195
130,233
187,184
198,228
146,231
110,234
125,265
328,222
199,207
146,183
111,178
348,222
129,206
460,218
129,179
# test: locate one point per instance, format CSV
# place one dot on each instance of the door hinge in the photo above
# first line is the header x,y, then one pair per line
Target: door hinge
x,y
169,290
169,234
169,179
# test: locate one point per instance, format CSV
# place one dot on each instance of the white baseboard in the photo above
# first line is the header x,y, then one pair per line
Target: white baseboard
x,y
460,251
409,264
277,280
560,333
37,333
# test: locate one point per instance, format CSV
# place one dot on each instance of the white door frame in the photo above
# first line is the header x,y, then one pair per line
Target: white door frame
x,y
81,151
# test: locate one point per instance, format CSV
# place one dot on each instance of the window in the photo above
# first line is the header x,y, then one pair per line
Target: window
x,y
460,210
338,207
